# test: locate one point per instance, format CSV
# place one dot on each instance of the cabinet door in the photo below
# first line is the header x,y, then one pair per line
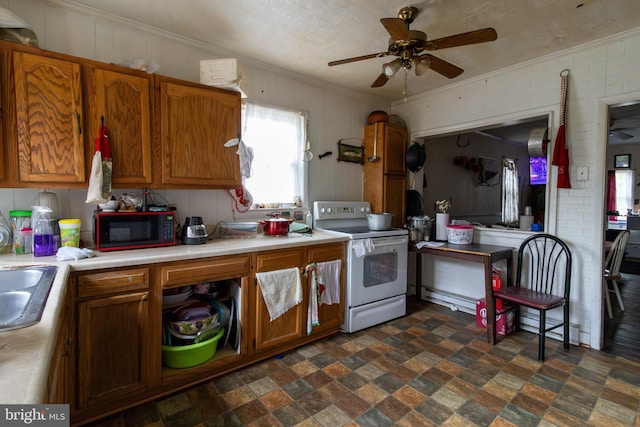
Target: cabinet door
x,y
114,356
394,195
331,316
124,100
195,122
60,387
395,149
48,119
292,324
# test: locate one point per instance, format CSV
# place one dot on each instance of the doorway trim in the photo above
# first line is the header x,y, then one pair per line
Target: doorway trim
x,y
604,103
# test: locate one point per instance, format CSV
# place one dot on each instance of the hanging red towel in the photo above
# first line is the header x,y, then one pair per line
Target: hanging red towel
x,y
561,149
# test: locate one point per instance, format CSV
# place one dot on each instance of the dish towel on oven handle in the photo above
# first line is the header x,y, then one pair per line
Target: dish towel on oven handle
x,y
362,247
281,290
324,288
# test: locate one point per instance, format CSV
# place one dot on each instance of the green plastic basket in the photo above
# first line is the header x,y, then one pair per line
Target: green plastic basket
x,y
186,356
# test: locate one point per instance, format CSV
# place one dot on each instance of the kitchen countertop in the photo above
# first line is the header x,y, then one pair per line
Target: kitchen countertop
x,y
25,354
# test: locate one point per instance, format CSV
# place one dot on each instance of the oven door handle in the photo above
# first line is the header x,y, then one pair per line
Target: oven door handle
x,y
390,241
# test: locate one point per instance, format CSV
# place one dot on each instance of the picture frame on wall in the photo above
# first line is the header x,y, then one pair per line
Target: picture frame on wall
x,y
350,153
621,161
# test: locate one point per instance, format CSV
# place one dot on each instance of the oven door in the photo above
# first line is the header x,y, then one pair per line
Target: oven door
x,y
378,274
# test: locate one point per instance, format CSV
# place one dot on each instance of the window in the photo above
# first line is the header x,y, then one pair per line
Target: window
x,y
624,191
277,137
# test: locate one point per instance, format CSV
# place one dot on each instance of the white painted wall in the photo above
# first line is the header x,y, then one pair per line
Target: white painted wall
x,y
333,114
601,74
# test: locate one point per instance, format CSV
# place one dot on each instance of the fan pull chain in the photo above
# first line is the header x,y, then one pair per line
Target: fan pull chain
x,y
406,77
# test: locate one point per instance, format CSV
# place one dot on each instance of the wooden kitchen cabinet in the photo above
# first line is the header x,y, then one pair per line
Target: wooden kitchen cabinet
x,y
193,124
47,120
61,380
292,324
115,357
330,317
385,180
124,98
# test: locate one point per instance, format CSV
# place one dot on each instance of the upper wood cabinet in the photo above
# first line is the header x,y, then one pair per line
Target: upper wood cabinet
x,y
164,132
48,119
193,123
123,98
384,181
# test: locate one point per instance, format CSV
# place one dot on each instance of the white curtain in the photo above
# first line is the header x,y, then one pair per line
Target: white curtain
x,y
277,137
624,191
510,192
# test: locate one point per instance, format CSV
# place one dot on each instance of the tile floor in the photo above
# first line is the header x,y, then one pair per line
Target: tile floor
x,y
432,367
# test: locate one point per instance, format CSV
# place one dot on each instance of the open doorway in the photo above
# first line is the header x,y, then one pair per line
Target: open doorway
x,y
620,333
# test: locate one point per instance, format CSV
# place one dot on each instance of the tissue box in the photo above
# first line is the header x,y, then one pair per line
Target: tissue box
x,y
225,73
504,322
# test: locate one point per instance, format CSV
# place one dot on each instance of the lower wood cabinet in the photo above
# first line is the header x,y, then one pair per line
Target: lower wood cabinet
x,y
330,317
292,324
113,332
108,354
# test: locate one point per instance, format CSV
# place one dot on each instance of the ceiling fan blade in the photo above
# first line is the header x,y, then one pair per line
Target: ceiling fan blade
x,y
441,66
396,28
463,39
380,81
358,58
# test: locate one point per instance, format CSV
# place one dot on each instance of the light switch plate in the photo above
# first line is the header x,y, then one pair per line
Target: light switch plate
x,y
582,173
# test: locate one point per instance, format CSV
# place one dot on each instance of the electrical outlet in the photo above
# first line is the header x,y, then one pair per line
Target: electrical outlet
x,y
583,173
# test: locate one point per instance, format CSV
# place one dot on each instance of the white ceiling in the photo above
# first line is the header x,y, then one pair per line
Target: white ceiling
x,y
302,36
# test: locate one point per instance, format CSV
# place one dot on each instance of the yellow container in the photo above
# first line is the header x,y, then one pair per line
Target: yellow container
x,y
69,232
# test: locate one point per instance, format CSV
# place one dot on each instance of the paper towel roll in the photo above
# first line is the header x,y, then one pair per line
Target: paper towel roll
x,y
442,220
538,142
525,222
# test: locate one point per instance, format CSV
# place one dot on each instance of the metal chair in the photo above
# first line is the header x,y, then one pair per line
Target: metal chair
x,y
612,265
542,282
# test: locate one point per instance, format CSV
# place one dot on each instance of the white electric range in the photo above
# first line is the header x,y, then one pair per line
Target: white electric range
x,y
376,270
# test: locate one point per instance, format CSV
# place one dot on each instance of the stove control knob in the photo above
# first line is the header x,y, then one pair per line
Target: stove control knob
x,y
362,209
368,210
322,210
328,210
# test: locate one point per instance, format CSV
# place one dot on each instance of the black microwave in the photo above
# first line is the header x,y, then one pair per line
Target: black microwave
x,y
115,231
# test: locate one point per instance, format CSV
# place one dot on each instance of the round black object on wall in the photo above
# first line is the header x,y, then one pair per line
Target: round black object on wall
x,y
416,157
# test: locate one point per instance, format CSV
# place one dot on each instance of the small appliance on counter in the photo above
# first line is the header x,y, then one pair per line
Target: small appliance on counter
x,y
114,231
193,231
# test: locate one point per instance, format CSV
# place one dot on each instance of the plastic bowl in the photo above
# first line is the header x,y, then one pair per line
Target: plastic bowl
x,y
460,234
191,327
186,356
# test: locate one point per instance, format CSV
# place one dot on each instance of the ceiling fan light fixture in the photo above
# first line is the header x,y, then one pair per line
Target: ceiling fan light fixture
x,y
421,65
391,68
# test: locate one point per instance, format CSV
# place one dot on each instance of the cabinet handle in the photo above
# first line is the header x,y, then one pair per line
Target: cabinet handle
x,y
79,125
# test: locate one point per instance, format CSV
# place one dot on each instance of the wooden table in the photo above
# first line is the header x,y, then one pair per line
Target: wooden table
x,y
484,254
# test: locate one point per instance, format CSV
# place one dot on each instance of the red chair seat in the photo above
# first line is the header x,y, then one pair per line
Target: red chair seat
x,y
529,298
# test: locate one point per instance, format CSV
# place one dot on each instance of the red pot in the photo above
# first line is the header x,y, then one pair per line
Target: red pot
x,y
276,226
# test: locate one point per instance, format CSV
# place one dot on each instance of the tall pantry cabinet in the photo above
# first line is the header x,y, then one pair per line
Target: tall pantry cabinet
x,y
385,179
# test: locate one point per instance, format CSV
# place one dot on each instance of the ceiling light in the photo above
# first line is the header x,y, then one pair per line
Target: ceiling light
x,y
421,64
391,68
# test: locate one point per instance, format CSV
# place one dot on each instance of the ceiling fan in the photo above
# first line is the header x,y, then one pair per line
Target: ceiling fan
x,y
408,45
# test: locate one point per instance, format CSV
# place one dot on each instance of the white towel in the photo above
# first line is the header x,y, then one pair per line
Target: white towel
x,y
329,278
281,290
312,309
363,247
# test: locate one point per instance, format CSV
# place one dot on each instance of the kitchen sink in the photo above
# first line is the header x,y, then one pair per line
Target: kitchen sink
x,y
23,295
